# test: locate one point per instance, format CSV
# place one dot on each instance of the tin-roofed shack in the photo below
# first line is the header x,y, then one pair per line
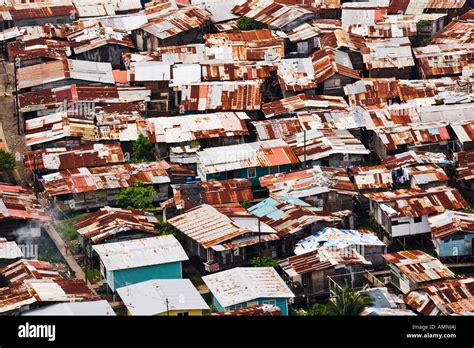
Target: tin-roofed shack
x,y
405,212
326,188
225,236
84,188
453,233
465,177
412,269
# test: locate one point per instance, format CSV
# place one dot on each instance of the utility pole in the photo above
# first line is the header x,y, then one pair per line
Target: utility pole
x,y
167,308
84,244
259,239
304,149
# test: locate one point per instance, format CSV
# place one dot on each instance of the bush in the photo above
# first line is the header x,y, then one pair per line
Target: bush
x,y
143,150
263,262
246,23
7,161
136,197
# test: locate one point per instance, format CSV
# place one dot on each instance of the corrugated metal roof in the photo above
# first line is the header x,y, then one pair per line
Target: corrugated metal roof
x,y
266,153
104,178
423,174
444,59
296,74
321,259
370,178
418,266
61,158
466,165
408,158
107,222
308,182
451,222
243,284
86,308
452,297
209,227
388,53
158,296
330,237
264,310
179,129
187,196
140,252
419,202
18,202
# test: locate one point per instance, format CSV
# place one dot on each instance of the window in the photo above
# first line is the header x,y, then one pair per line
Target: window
x,y
274,170
270,302
182,314
417,219
251,173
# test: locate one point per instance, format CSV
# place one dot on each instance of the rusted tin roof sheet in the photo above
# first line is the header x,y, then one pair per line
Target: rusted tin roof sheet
x,y
413,157
301,102
466,165
388,53
370,178
96,36
122,127
244,284
296,74
451,222
444,59
232,95
38,48
452,297
369,92
308,182
423,174
264,310
418,266
61,158
277,128
211,228
187,196
416,202
17,202
104,178
195,127
108,222
326,65
321,259
266,153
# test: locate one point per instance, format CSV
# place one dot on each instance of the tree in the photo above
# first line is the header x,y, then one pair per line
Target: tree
x,y
452,170
136,197
346,302
263,262
143,150
7,161
246,23
167,228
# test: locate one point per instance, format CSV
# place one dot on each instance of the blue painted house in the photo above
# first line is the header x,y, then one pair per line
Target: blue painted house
x,y
453,233
135,261
246,161
243,287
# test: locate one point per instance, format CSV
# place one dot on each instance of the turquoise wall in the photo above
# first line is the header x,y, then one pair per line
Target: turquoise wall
x,y
461,241
282,303
117,279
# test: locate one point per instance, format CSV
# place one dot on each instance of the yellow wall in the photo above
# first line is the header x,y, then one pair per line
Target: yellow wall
x,y
194,312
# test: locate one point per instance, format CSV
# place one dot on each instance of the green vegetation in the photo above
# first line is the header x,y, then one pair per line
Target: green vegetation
x,y
143,150
167,228
246,23
366,223
246,204
452,170
136,197
470,209
7,161
263,262
346,302
66,228
93,274
424,23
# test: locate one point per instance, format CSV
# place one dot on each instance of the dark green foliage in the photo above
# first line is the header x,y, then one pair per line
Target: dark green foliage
x,y
7,161
263,262
136,197
143,150
246,23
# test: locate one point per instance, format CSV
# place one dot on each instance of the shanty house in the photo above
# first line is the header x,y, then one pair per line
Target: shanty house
x,y
465,177
248,161
243,287
99,43
453,233
294,219
450,297
308,273
365,242
412,269
85,188
135,261
170,297
327,188
405,212
113,224
225,238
